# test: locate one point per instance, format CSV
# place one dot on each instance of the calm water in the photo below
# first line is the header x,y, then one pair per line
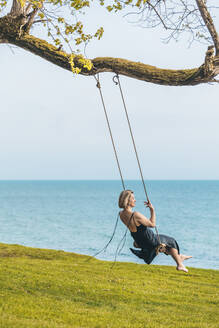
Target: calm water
x,y
79,216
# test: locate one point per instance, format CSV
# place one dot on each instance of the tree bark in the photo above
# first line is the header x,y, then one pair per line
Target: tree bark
x,y
10,31
17,9
209,23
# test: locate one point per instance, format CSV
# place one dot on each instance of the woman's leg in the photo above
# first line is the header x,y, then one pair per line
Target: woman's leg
x,y
185,257
178,259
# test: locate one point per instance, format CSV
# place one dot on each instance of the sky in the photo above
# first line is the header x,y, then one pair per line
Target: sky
x,y
52,124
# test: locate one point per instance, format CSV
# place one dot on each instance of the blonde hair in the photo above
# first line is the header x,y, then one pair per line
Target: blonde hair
x,y
124,198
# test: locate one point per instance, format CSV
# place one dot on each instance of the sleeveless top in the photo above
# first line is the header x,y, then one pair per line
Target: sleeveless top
x,y
144,236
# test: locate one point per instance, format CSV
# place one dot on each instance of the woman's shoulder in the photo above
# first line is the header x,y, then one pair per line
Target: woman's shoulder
x,y
140,218
124,216
127,213
137,215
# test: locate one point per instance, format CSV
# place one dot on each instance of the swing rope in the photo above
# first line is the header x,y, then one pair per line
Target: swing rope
x,y
111,238
98,85
109,128
116,80
116,77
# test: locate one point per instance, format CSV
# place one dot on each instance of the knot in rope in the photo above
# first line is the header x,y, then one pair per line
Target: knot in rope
x,y
98,85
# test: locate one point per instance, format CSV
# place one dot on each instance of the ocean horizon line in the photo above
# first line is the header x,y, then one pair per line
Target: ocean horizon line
x,y
104,180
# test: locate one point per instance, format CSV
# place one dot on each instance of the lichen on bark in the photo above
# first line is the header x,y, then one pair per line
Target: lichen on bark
x,y
11,30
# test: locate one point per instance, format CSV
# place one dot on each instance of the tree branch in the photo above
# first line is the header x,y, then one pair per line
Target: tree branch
x,y
11,31
3,41
214,80
17,9
28,8
125,67
31,20
209,23
157,13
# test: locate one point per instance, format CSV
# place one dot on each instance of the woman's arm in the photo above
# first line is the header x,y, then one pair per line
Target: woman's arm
x,y
145,221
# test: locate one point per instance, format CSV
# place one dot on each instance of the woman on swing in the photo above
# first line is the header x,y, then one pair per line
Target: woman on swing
x,y
143,236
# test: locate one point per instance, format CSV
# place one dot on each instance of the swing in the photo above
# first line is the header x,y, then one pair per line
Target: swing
x,y
161,248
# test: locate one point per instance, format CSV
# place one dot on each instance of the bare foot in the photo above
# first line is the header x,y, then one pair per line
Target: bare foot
x,y
182,268
185,257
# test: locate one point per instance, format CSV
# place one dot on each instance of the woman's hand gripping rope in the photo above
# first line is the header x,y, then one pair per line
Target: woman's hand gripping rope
x,y
161,248
148,204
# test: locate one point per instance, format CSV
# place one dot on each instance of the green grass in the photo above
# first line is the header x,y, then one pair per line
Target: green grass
x,y
46,288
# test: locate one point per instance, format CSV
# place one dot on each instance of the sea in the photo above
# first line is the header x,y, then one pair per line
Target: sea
x,y
80,217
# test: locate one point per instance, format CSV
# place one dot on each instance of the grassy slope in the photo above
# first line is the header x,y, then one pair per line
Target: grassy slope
x,y
46,288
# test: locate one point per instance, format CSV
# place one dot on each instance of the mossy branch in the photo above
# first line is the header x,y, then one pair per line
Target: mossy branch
x,y
125,67
10,31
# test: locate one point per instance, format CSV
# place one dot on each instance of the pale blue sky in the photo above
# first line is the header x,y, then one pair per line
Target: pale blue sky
x,y
52,124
